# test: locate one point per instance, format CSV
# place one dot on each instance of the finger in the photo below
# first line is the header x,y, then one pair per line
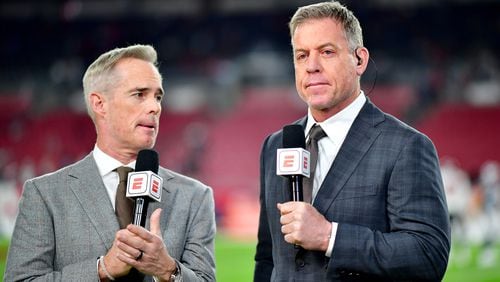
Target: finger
x,y
287,207
128,259
286,219
290,239
132,251
136,229
155,222
140,234
131,244
281,208
284,230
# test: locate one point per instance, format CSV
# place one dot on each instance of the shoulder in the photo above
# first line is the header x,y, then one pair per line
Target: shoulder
x,y
175,179
390,126
69,170
63,178
400,136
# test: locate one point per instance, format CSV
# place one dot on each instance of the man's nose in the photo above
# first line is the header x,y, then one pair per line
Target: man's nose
x,y
313,63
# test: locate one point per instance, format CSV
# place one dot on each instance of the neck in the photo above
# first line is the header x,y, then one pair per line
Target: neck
x,y
321,115
124,156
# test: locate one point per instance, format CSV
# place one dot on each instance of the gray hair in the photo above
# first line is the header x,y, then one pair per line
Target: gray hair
x,y
99,75
335,11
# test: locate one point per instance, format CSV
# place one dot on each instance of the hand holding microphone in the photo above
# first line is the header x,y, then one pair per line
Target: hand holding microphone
x,y
302,224
293,160
146,249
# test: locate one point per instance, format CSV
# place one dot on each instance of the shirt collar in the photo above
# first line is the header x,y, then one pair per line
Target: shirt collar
x,y
341,121
106,163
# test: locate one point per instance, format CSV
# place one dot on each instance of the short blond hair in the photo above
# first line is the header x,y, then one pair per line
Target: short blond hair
x,y
333,10
98,77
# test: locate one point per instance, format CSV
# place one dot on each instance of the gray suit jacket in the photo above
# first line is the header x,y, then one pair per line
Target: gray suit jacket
x,y
385,191
66,221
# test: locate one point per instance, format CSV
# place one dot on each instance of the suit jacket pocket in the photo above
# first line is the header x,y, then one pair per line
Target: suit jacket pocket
x,y
357,192
361,205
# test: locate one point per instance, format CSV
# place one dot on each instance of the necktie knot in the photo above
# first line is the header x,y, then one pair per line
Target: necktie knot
x,y
123,172
316,133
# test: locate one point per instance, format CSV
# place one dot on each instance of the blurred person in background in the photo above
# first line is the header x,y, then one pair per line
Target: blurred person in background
x,y
378,210
489,182
458,190
457,187
67,229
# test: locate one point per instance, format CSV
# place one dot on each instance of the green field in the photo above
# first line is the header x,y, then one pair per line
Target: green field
x,y
4,244
235,262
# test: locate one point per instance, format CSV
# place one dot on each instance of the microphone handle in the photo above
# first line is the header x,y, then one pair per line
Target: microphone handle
x,y
297,194
140,211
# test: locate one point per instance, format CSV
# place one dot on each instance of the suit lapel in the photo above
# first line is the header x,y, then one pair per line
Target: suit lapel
x,y
167,199
359,139
86,183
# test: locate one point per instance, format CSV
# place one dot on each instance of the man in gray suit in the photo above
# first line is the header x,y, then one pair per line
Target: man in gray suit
x,y
378,210
67,230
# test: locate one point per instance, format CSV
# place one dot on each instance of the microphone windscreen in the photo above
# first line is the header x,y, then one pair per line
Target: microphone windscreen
x,y
293,136
147,159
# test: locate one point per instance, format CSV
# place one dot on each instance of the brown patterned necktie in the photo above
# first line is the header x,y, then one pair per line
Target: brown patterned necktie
x,y
315,134
124,207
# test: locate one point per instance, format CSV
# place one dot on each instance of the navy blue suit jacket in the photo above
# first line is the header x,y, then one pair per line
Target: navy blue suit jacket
x,y
384,190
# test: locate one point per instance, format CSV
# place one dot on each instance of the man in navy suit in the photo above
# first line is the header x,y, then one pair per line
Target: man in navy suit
x,y
378,210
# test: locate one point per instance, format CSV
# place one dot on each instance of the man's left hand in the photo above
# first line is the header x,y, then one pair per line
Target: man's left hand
x,y
155,259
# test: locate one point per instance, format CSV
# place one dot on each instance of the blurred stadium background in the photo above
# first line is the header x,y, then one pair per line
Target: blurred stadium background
x,y
228,77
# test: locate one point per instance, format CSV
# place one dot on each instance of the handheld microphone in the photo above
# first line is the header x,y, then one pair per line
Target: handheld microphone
x,y
144,184
293,160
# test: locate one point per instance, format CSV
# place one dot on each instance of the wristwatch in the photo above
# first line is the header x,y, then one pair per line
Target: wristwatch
x,y
176,275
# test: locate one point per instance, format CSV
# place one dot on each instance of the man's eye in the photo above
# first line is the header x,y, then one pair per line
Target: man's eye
x,y
328,52
159,98
300,57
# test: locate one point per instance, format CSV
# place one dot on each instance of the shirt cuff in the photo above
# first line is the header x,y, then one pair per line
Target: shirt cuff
x,y
331,242
98,278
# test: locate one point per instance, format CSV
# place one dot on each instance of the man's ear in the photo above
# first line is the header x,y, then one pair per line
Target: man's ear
x,y
362,56
97,103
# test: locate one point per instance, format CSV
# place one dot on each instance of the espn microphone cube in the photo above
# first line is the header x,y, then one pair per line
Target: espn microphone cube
x,y
144,183
293,161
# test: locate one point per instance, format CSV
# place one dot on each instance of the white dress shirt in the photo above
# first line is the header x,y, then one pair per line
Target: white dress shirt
x,y
106,165
336,129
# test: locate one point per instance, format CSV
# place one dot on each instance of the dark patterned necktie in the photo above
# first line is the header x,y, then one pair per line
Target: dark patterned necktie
x,y
315,134
124,207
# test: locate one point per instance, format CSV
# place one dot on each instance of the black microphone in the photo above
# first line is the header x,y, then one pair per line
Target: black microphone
x,y
144,184
293,160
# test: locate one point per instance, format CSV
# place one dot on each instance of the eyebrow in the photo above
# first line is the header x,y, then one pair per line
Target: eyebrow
x,y
143,89
319,47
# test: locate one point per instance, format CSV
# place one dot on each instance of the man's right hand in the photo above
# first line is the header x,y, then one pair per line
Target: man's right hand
x,y
115,267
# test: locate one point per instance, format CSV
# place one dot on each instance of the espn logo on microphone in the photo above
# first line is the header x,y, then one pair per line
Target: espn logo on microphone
x,y
144,183
293,161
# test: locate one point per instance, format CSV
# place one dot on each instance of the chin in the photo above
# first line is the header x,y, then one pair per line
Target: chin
x,y
320,105
148,144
